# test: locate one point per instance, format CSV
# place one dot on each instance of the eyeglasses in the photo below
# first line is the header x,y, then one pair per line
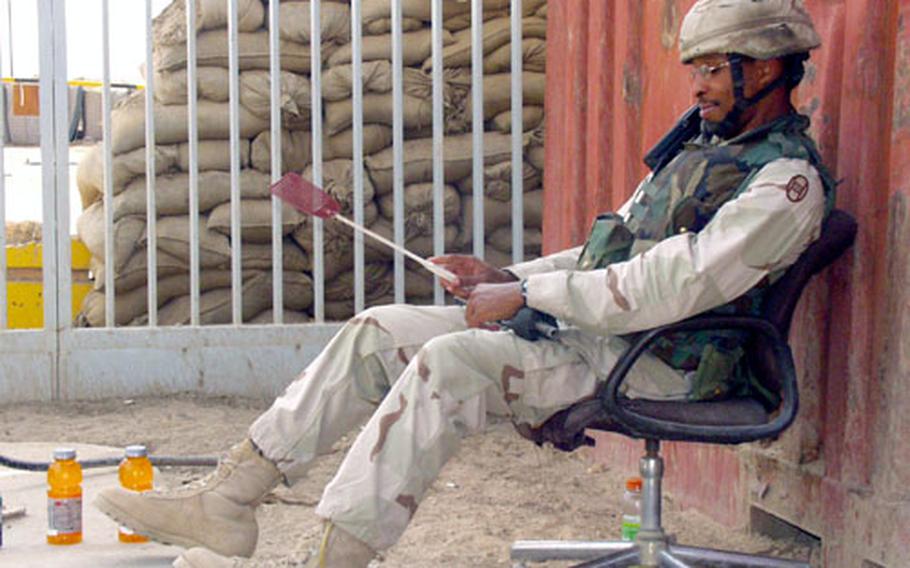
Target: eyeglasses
x,y
706,71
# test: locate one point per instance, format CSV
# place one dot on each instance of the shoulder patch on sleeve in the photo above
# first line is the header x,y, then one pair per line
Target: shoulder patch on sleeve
x,y
797,188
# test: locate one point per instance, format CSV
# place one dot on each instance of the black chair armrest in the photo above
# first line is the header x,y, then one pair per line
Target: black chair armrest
x,y
627,414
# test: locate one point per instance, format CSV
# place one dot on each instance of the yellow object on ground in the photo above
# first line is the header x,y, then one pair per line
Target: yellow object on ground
x,y
25,291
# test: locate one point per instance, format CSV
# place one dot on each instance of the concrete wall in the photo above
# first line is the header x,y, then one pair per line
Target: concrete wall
x,y
842,472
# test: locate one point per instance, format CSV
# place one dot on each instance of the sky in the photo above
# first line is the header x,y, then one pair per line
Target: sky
x,y
84,38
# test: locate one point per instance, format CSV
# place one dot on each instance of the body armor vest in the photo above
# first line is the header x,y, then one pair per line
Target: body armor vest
x,y
683,197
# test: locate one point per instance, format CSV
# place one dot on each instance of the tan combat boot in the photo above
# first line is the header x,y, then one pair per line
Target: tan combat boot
x,y
339,549
205,558
216,512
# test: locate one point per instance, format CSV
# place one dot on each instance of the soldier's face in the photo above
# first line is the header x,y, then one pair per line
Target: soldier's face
x,y
712,87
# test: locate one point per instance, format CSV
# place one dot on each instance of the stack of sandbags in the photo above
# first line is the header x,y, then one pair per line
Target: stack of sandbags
x,y
214,159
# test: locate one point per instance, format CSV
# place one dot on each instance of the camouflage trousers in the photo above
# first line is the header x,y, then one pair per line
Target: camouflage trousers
x,y
422,381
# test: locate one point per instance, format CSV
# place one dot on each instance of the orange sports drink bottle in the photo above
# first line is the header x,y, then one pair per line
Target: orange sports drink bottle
x,y
64,498
135,475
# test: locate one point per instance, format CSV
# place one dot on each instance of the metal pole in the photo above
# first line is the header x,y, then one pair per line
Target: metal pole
x,y
438,151
275,115
357,95
108,199
234,111
316,121
398,148
193,147
151,206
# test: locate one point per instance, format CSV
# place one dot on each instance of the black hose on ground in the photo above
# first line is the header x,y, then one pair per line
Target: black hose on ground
x,y
186,461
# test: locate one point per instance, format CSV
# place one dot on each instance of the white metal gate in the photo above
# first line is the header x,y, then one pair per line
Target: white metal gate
x,y
63,362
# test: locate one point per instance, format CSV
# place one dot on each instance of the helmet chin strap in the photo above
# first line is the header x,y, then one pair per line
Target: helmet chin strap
x,y
729,126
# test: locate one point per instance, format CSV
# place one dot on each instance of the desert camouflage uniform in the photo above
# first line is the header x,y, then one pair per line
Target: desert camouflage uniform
x,y
424,381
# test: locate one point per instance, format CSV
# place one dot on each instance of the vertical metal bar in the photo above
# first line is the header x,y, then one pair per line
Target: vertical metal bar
x,y
398,148
3,316
61,202
47,116
316,113
357,84
477,122
275,109
438,150
108,199
193,144
518,245
150,202
234,90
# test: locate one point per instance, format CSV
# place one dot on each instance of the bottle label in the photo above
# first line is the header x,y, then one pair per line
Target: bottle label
x,y
64,516
630,527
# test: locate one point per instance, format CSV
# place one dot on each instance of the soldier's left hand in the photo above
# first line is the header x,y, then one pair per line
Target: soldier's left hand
x,y
493,302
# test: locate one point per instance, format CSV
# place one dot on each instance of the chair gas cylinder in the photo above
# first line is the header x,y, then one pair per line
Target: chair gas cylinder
x,y
64,498
135,474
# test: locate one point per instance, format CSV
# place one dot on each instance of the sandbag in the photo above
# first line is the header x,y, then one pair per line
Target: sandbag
x,y
462,21
415,47
294,22
125,167
134,303
213,155
255,220
377,109
497,181
418,159
337,84
126,233
501,240
421,245
338,243
216,307
258,256
171,124
134,272
252,49
379,27
376,283
173,237
267,317
531,117
211,84
421,9
497,93
536,156
496,33
169,27
533,57
498,214
294,97
296,147
418,208
172,192
338,181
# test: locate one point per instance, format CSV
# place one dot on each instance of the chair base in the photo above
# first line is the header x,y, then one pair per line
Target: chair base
x,y
652,548
611,554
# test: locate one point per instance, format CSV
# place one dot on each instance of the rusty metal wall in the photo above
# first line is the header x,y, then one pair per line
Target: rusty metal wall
x,y
842,472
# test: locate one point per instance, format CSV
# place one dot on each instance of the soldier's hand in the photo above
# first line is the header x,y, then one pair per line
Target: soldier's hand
x,y
493,302
470,271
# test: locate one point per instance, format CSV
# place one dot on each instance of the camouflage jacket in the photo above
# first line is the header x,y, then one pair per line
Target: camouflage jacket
x,y
666,256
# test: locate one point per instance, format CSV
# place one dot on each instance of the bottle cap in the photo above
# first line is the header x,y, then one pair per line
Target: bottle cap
x,y
64,454
136,451
633,484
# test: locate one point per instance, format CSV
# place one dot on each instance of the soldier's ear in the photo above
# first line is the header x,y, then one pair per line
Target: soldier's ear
x,y
767,70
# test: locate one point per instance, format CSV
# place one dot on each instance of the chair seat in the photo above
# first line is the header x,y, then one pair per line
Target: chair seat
x,y
566,429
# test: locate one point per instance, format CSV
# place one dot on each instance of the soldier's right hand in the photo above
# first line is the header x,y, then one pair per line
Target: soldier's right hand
x,y
470,271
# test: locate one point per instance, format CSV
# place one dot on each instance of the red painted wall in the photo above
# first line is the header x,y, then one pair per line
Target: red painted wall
x,y
842,472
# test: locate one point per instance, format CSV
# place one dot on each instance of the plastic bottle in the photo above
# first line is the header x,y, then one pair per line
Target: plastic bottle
x,y
631,509
64,498
135,475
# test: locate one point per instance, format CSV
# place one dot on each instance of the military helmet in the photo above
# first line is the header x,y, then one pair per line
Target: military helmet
x,y
760,29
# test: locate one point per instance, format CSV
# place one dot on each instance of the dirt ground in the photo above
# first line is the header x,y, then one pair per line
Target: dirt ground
x,y
499,488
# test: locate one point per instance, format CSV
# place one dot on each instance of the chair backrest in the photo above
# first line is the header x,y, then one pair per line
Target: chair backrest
x,y
836,236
